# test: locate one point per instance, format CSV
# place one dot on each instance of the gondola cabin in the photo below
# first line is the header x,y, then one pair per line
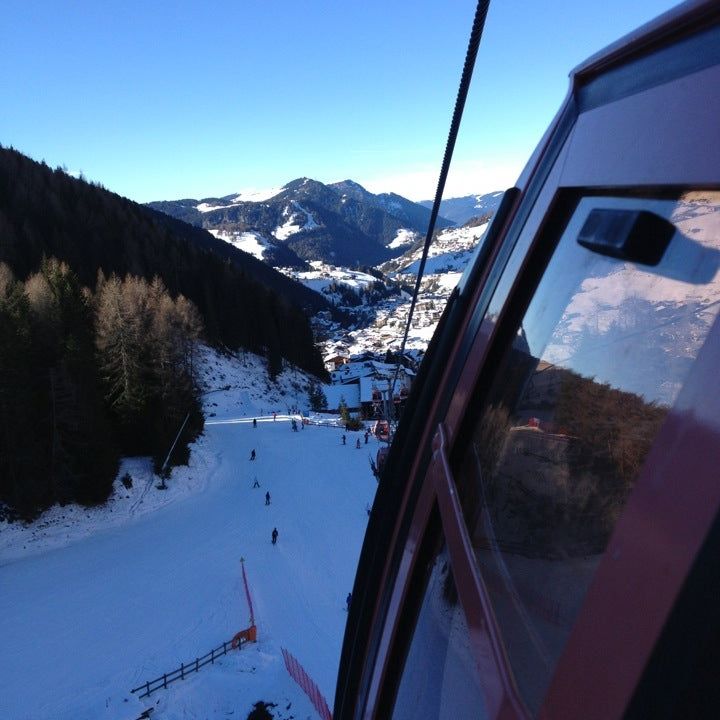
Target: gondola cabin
x,y
545,538
381,429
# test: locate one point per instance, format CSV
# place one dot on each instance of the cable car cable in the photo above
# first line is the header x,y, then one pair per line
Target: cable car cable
x,y
473,45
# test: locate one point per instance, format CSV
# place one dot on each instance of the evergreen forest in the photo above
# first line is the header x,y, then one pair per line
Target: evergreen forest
x,y
102,303
243,302
86,377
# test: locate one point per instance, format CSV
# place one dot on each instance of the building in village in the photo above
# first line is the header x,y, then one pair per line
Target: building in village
x,y
366,386
334,361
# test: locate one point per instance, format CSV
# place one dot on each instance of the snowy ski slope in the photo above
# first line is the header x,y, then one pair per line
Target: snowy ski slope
x,y
84,623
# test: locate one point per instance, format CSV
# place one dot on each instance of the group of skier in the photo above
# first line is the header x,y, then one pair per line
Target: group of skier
x,y
256,484
357,442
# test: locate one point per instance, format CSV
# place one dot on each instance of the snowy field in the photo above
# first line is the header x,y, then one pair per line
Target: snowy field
x,y
94,602
323,275
250,242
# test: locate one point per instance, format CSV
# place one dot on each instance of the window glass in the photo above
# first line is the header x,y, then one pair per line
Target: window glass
x,y
569,417
440,679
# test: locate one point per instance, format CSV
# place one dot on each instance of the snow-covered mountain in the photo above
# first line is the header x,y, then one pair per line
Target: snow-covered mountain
x,y
342,223
359,250
413,215
450,252
462,209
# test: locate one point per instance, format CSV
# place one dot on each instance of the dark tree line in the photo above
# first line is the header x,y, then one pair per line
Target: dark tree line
x,y
46,213
86,377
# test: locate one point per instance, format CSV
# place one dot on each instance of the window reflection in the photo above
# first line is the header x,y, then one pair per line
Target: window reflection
x,y
440,679
600,356
593,305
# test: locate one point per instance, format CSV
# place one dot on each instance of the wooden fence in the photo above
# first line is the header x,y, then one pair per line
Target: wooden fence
x,y
185,669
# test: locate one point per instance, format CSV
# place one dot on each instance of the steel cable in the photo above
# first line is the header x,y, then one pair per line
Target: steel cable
x,y
470,56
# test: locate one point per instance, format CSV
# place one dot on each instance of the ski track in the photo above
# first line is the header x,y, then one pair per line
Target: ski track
x,y
83,624
148,484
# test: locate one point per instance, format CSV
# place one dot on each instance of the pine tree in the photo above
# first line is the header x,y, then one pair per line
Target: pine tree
x,y
317,398
82,457
343,409
122,329
23,410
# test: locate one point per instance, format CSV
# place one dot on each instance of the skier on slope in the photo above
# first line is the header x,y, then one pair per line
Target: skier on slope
x,y
357,444
256,483
254,422
343,439
274,536
267,498
348,600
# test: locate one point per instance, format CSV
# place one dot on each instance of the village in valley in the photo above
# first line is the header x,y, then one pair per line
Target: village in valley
x,y
366,375
367,386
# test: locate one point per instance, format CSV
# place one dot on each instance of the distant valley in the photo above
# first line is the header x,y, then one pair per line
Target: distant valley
x,y
359,251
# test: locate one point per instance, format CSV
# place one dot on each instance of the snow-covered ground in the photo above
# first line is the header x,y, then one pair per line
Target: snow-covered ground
x,y
250,242
95,602
322,276
298,218
254,195
244,196
450,251
404,237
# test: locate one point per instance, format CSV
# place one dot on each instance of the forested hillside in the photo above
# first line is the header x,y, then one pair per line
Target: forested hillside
x,y
47,213
102,303
86,377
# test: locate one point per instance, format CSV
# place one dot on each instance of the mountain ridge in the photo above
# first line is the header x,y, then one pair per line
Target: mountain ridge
x,y
342,222
462,209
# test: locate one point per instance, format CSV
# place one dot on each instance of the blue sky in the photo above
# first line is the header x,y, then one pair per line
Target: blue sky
x,y
164,100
